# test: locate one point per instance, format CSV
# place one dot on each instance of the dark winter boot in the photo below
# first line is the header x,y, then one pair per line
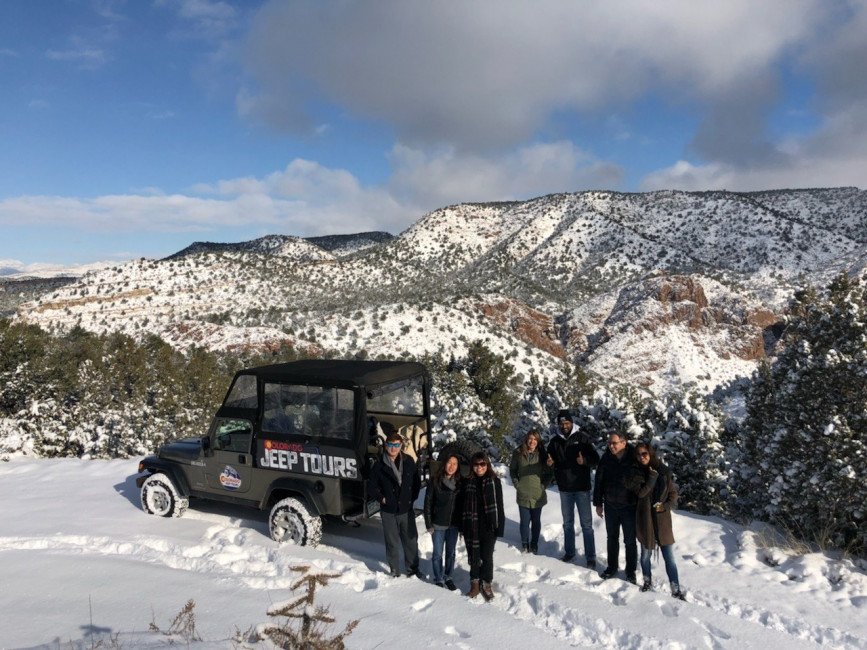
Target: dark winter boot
x,y
525,548
487,591
647,586
534,549
474,589
677,592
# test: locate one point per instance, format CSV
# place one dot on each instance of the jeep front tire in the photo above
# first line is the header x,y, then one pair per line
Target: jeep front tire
x,y
160,497
291,522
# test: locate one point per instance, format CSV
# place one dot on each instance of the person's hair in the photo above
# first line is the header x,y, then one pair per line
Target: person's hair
x,y
480,455
394,436
654,459
540,446
441,472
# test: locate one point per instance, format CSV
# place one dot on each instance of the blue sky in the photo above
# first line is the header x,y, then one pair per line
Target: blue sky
x,y
130,128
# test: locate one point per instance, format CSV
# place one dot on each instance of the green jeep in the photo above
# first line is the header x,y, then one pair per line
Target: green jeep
x,y
298,439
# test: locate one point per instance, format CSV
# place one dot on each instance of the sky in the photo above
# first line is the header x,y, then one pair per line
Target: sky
x,y
82,565
132,128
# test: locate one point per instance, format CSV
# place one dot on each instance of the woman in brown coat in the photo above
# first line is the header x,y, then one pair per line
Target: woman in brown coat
x,y
654,485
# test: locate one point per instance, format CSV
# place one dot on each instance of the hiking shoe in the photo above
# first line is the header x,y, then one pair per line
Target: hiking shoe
x,y
487,591
647,586
415,574
451,586
440,584
474,589
568,557
608,573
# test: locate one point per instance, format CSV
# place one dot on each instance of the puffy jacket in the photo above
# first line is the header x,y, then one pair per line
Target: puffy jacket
x,y
530,479
383,484
572,477
442,505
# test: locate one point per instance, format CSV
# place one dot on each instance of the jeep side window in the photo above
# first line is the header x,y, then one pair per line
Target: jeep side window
x,y
233,435
243,393
309,410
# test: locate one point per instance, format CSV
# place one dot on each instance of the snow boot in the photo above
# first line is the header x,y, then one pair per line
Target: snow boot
x,y
525,548
487,591
474,589
647,586
676,591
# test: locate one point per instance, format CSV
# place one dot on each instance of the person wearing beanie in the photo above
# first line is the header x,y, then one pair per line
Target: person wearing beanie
x,y
573,459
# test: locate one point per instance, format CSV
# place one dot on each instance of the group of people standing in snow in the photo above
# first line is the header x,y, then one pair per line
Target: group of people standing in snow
x,y
633,491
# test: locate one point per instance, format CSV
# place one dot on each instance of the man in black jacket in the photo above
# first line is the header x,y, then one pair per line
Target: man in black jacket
x,y
573,459
395,483
616,504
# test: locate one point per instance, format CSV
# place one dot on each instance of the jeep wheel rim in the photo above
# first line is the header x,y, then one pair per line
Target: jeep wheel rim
x,y
289,527
159,501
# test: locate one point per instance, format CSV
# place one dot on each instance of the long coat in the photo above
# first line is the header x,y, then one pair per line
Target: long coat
x,y
530,478
652,527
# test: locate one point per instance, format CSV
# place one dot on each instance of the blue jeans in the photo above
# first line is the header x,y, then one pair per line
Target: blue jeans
x,y
667,556
568,502
530,525
446,538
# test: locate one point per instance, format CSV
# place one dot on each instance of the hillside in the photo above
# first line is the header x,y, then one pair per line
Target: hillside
x,y
657,290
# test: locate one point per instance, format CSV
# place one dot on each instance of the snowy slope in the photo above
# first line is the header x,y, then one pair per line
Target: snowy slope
x,y
82,563
557,256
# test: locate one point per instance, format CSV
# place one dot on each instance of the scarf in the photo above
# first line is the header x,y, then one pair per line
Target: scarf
x,y
394,468
479,489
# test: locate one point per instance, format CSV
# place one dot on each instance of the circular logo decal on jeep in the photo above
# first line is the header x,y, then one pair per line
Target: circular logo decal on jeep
x,y
230,479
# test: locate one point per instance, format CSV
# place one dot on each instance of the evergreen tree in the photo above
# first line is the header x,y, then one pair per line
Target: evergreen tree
x,y
803,459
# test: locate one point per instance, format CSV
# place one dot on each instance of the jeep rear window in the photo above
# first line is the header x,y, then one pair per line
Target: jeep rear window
x,y
405,397
243,393
308,410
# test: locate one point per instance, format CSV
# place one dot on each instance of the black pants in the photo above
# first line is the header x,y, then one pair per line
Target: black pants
x,y
482,563
400,529
617,518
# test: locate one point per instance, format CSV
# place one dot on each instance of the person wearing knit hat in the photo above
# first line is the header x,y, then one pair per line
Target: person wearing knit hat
x,y
573,459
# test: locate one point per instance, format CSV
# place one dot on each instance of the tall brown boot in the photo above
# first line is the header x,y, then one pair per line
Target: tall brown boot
x,y
474,589
487,591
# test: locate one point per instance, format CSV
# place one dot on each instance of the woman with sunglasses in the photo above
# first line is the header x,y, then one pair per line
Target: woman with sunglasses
x,y
442,517
531,475
484,520
653,483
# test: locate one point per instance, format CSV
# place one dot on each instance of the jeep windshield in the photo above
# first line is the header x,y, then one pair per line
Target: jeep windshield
x,y
405,397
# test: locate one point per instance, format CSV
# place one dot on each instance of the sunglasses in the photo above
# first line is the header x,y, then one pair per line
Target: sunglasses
x,y
643,454
393,445
480,464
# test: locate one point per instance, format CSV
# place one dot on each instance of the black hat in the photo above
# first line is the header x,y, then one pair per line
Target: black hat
x,y
564,415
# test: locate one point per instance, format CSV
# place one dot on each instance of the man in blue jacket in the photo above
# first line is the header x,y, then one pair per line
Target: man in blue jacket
x,y
395,483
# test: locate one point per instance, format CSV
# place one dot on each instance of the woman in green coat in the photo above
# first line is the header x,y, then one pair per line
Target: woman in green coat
x,y
530,475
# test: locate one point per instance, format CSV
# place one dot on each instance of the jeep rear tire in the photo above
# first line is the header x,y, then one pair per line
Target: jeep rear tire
x,y
160,497
291,522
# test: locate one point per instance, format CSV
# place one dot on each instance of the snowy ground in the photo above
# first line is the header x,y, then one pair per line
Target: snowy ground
x,y
81,563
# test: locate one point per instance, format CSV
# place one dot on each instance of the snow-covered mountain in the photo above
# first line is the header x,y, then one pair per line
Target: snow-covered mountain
x,y
655,290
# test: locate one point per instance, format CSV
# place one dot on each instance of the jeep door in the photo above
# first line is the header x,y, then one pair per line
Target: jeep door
x,y
229,465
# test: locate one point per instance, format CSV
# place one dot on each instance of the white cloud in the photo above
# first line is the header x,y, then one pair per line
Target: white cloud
x,y
488,73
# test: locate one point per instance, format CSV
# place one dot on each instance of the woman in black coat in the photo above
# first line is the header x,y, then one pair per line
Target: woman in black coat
x,y
442,517
483,521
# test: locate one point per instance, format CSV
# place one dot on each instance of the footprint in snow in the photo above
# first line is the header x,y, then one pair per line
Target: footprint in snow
x,y
453,631
666,608
422,605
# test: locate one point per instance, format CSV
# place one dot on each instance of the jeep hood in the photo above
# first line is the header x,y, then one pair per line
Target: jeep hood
x,y
182,451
